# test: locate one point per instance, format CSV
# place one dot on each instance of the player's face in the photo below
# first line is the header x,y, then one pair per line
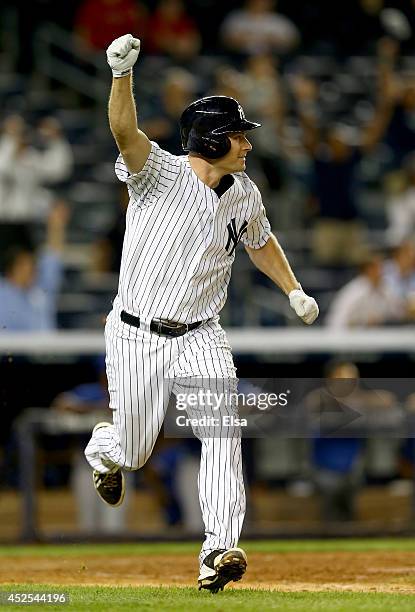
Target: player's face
x,y
240,147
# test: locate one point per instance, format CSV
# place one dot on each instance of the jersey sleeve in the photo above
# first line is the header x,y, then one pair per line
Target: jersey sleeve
x,y
259,227
159,170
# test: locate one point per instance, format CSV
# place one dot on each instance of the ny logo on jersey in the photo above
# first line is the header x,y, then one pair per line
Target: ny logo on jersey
x,y
234,235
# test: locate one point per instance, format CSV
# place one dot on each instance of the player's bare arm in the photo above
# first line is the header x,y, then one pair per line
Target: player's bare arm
x,y
271,260
132,143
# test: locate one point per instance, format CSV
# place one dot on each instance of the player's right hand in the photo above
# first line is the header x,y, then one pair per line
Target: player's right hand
x,y
122,54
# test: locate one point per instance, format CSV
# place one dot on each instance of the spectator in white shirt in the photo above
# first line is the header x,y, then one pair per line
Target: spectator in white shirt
x,y
399,270
257,28
399,275
25,171
401,206
366,301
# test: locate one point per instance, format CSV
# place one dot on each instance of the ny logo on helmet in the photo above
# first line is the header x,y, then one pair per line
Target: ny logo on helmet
x,y
234,235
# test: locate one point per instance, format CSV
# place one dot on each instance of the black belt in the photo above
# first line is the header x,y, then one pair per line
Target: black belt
x,y
160,326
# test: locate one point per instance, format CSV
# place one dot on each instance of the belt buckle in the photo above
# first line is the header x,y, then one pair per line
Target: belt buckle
x,y
161,327
173,328
185,326
170,328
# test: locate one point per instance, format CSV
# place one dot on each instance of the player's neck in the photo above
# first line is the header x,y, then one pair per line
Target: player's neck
x,y
208,172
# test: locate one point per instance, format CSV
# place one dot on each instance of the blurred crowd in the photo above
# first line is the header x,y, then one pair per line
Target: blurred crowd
x,y
333,85
242,26
334,159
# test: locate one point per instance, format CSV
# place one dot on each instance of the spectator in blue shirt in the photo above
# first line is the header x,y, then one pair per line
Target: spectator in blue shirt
x,y
336,461
30,282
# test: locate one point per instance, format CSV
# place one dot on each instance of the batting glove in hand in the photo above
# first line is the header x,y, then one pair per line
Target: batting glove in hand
x,y
122,54
304,305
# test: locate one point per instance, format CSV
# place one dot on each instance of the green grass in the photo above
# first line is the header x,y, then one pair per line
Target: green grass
x,y
177,548
189,599
243,600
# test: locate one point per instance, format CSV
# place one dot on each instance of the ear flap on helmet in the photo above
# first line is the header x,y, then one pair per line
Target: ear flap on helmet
x,y
209,145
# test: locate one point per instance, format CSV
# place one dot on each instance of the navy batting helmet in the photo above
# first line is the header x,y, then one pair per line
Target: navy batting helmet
x,y
205,123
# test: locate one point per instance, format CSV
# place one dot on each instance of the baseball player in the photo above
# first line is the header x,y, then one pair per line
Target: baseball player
x,y
185,216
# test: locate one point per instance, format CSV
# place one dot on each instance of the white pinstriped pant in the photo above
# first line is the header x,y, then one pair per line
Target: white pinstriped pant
x,y
138,364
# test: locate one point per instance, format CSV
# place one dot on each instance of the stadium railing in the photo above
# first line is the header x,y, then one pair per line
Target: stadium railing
x,y
247,340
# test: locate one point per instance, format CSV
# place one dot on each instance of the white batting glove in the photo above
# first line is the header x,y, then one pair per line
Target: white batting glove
x,y
305,306
122,54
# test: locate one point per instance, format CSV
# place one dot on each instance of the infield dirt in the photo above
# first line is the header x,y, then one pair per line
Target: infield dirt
x,y
386,572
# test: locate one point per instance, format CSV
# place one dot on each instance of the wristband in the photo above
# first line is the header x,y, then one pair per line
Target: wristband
x,y
118,74
299,288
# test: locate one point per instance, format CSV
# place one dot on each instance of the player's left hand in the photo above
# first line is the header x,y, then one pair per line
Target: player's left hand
x,y
305,306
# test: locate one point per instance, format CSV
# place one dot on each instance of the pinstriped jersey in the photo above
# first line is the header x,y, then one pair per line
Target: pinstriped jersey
x,y
180,238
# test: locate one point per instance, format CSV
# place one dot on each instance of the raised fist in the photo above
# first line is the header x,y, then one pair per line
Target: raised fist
x,y
122,54
304,305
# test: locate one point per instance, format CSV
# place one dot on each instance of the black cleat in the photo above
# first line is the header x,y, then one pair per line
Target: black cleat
x,y
110,487
221,567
